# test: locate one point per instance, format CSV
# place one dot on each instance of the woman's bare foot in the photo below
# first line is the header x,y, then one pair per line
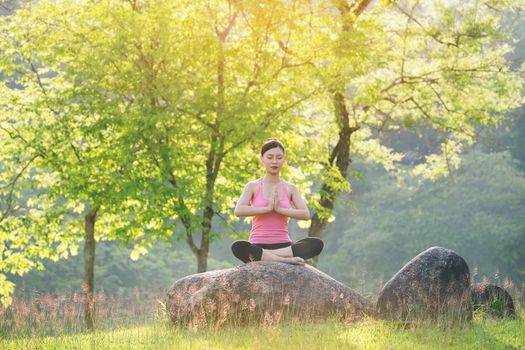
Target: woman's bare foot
x,y
294,260
268,255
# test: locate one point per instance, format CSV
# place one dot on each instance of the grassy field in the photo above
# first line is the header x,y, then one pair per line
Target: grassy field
x,y
137,320
483,333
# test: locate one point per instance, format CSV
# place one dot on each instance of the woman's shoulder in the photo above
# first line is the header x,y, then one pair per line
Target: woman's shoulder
x,y
290,186
252,185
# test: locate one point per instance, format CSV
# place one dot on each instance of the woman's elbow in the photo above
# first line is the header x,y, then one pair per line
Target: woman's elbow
x,y
239,212
306,215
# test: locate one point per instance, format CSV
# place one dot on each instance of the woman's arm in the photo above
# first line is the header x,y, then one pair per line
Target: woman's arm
x,y
300,210
243,207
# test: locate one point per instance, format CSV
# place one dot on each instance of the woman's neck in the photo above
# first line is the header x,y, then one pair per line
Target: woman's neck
x,y
271,178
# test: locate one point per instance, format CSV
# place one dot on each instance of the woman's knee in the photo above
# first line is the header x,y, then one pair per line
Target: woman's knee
x,y
308,247
246,252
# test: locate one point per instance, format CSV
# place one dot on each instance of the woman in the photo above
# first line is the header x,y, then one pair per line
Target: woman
x,y
269,200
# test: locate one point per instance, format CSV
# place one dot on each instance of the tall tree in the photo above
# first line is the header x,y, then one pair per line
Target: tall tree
x,y
67,124
216,84
411,65
160,133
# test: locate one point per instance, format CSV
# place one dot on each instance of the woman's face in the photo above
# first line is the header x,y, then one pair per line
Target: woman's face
x,y
273,160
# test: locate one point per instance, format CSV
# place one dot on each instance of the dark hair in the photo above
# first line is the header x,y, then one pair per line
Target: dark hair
x,y
271,143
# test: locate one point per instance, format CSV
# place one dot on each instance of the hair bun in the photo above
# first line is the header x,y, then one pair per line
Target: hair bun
x,y
270,143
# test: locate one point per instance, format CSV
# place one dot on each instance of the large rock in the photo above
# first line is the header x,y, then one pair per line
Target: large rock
x,y
435,285
262,292
493,300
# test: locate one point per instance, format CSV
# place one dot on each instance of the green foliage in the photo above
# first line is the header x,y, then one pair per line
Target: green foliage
x,y
476,211
445,70
30,228
62,139
437,68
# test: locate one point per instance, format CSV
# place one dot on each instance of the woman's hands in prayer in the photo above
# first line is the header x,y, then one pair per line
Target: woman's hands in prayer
x,y
298,211
276,205
273,201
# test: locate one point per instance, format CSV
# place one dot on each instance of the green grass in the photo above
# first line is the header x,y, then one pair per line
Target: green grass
x,y
483,333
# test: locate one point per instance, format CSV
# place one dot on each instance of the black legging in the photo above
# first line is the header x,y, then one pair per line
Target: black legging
x,y
305,248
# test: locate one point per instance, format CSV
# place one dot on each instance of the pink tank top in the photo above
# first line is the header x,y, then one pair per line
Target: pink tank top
x,y
271,227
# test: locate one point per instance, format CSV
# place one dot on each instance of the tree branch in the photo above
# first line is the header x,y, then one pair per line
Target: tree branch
x,y
12,184
224,33
266,121
425,30
361,7
184,217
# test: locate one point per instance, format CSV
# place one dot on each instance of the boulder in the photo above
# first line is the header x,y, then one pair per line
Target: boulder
x,y
435,285
493,300
262,292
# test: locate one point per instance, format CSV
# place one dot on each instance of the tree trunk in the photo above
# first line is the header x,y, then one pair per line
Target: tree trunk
x,y
341,152
89,267
340,158
202,257
213,164
207,216
215,155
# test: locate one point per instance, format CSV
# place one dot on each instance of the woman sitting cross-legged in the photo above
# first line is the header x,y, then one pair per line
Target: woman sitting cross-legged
x,y
269,200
